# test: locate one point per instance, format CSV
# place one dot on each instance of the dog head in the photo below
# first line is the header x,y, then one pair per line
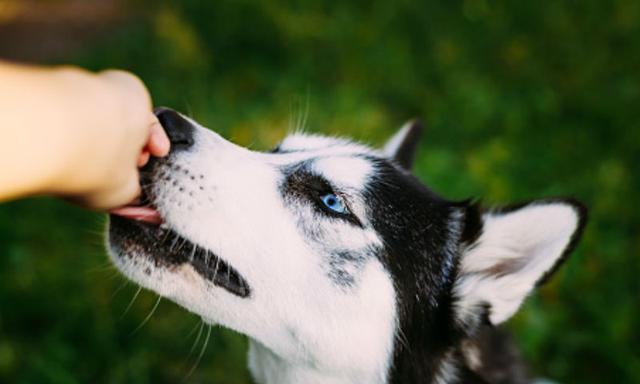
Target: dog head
x,y
329,254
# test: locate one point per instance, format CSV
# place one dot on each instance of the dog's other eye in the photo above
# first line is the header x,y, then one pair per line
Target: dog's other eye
x,y
334,203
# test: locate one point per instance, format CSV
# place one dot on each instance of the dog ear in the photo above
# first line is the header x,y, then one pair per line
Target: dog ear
x,y
402,146
516,249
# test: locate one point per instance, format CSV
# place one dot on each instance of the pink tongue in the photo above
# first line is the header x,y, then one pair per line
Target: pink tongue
x,y
146,214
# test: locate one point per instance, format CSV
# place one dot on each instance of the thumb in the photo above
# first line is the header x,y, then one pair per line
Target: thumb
x,y
118,196
126,193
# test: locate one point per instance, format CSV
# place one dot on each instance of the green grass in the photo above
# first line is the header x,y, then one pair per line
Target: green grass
x,y
520,100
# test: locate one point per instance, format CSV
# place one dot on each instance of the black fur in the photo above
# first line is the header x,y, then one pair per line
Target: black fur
x,y
170,250
302,184
472,227
405,153
500,359
338,263
414,224
424,236
423,253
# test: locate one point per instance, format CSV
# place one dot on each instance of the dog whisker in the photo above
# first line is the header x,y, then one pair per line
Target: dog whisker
x,y
133,299
193,253
180,246
124,284
195,342
104,267
194,328
215,269
146,319
165,238
202,350
176,239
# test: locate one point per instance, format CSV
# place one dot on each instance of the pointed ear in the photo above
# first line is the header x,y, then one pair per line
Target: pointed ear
x,y
517,249
402,146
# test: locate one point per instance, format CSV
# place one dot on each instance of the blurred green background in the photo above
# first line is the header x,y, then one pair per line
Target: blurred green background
x,y
520,99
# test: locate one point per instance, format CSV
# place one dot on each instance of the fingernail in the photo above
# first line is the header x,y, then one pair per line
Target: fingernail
x,y
159,143
143,158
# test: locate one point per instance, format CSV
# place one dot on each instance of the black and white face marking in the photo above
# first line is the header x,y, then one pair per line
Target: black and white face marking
x,y
339,265
292,228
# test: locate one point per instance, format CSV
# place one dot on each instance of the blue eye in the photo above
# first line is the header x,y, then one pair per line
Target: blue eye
x,y
334,203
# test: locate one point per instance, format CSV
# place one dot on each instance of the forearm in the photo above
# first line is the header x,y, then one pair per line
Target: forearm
x,y
38,139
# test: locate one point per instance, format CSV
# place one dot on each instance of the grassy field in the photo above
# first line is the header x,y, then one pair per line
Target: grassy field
x,y
519,100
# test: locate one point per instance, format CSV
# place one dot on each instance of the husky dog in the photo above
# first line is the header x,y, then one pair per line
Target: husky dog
x,y
335,261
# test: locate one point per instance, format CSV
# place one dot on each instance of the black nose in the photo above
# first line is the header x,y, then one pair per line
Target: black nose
x,y
179,129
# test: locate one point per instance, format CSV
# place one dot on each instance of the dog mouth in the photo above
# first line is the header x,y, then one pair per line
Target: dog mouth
x,y
141,230
145,214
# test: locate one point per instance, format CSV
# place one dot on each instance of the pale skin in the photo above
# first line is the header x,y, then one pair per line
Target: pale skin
x,y
75,134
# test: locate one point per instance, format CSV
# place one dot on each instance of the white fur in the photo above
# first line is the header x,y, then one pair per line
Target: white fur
x,y
302,326
344,172
447,372
392,146
532,238
309,143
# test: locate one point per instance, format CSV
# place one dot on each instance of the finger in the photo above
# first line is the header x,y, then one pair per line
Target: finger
x,y
129,83
110,199
159,144
126,194
143,158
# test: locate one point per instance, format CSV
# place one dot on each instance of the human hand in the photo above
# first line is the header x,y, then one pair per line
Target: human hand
x,y
75,134
126,132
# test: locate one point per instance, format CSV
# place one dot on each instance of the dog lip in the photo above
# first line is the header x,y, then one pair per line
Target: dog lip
x,y
167,247
139,213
